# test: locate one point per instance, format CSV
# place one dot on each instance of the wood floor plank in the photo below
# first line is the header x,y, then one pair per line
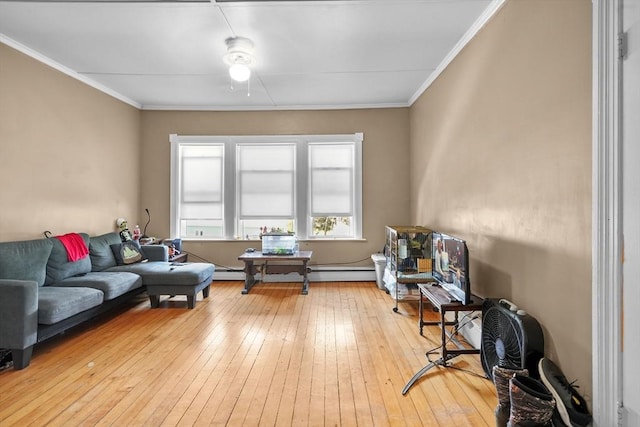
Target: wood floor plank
x,y
301,385
355,378
337,356
140,371
218,410
248,408
196,392
53,358
81,372
345,399
271,398
318,365
375,394
220,375
289,398
271,381
190,355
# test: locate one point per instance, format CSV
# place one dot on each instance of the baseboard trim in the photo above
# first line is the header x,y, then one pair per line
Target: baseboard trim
x,y
325,274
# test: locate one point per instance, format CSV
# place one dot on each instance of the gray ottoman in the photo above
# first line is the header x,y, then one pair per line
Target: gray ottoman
x,y
165,278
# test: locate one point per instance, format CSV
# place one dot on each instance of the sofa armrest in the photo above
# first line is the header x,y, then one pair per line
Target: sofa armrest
x,y
18,313
156,252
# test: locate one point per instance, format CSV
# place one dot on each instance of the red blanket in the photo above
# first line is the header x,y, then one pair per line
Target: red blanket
x,y
75,246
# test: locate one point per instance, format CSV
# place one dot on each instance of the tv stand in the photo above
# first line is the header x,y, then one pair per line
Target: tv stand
x,y
441,301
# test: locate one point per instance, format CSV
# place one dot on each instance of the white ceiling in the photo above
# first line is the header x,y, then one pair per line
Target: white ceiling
x,y
310,54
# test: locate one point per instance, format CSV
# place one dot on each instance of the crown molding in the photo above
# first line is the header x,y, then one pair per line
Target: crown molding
x,y
272,107
65,70
486,16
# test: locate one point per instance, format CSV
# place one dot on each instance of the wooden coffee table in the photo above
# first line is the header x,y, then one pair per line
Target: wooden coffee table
x,y
275,264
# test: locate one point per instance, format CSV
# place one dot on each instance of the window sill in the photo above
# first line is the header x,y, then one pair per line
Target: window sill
x,y
321,240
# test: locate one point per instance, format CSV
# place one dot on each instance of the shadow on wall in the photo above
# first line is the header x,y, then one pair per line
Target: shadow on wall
x,y
505,268
490,282
551,280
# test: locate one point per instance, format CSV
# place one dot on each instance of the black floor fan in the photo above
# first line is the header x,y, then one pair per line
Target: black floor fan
x,y
510,338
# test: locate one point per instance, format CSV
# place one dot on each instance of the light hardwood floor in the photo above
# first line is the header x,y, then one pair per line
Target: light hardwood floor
x,y
336,357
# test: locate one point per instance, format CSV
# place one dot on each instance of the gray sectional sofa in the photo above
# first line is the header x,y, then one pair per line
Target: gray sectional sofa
x,y
43,294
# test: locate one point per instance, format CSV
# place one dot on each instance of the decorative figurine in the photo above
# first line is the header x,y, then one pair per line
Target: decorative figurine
x,y
125,234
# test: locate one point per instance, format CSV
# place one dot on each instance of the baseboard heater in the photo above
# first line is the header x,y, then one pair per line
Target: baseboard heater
x,y
319,274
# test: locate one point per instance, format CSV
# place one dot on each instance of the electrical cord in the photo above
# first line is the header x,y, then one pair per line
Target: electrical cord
x,y
343,263
235,269
466,371
231,269
453,331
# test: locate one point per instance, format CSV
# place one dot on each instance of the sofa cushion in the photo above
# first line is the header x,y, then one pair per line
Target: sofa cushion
x,y
111,284
128,253
58,266
168,273
155,252
100,251
58,303
25,260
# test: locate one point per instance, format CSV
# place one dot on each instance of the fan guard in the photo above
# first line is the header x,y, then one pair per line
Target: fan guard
x,y
510,338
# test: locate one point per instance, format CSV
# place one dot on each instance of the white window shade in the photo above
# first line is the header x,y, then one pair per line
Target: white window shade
x,y
331,179
266,176
201,211
201,183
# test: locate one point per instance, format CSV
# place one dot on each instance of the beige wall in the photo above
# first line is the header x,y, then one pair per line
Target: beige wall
x,y
501,156
386,175
497,151
69,154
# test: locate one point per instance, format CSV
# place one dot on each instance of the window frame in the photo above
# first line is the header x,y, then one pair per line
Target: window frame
x,y
302,209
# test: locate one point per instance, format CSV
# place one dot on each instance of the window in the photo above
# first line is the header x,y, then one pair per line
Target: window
x,y
201,191
265,178
331,176
235,187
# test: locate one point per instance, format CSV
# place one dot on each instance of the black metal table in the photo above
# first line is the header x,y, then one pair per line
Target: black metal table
x,y
442,302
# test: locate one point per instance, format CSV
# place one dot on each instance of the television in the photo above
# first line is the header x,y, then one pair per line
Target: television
x,y
450,258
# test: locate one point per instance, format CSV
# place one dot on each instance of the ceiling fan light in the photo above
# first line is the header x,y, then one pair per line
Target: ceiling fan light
x,y
239,57
240,72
